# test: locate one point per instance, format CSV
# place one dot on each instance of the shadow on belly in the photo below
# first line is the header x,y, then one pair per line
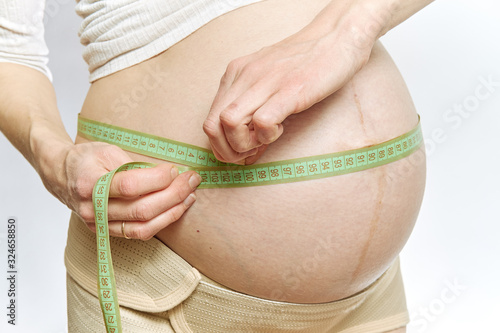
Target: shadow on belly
x,y
309,242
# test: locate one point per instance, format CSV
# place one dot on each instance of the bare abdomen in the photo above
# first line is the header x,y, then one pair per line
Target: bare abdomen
x,y
313,241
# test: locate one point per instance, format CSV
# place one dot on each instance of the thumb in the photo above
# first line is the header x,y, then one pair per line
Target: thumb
x,y
252,159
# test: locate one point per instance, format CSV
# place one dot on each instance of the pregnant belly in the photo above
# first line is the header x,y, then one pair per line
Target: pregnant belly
x,y
306,242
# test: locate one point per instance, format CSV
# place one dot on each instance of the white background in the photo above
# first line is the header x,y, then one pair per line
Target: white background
x,y
450,265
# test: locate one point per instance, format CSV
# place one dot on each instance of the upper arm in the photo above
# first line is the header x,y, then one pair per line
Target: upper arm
x,y
22,34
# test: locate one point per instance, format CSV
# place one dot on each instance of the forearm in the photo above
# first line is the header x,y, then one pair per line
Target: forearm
x,y
367,19
29,118
398,11
259,91
362,22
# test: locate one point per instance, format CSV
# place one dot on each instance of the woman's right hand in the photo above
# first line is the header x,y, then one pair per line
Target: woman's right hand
x,y
148,200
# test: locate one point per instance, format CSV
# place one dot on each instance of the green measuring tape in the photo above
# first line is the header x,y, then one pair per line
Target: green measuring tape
x,y
215,174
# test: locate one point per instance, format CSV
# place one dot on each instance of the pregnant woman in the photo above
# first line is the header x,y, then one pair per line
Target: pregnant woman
x,y
255,82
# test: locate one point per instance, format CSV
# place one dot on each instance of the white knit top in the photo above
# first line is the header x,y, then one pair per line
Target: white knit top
x,y
116,33
21,34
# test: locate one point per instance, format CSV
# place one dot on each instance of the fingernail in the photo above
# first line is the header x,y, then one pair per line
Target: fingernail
x,y
195,180
190,199
174,172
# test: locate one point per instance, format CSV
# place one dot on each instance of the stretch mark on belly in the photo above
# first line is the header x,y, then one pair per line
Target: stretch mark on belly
x,y
374,222
224,175
358,106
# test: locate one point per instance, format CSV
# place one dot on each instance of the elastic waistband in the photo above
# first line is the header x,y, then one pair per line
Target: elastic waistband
x,y
151,277
216,174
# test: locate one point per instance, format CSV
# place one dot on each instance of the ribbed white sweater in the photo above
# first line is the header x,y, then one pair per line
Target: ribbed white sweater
x,y
116,33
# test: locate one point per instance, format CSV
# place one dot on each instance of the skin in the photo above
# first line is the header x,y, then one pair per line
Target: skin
x,y
259,91
354,224
317,70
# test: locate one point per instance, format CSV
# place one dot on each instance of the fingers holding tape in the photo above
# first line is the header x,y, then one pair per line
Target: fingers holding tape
x,y
146,207
138,182
146,230
142,217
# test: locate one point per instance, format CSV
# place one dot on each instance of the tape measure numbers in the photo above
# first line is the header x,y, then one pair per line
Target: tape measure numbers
x,y
215,174
106,285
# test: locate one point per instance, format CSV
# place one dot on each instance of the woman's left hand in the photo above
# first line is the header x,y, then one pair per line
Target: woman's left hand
x,y
259,91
